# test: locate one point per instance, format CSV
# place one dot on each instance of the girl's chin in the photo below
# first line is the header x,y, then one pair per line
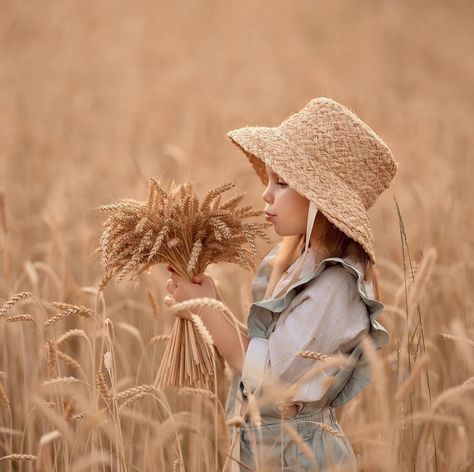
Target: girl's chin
x,y
285,233
277,231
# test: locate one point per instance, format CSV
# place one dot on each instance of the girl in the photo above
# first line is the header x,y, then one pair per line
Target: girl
x,y
323,168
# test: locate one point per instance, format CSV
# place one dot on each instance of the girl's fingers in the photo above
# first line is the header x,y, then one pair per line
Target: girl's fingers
x,y
170,286
183,314
177,279
169,300
198,279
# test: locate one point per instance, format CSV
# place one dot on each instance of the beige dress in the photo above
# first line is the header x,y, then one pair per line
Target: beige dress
x,y
329,309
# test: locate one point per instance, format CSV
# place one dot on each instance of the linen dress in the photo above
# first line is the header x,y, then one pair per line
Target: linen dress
x,y
274,333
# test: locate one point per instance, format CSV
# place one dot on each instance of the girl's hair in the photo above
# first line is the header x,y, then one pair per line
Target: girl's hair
x,y
334,243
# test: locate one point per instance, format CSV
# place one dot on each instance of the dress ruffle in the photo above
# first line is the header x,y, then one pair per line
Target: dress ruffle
x,y
350,380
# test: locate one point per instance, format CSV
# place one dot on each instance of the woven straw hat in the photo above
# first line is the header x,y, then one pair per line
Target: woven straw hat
x,y
330,156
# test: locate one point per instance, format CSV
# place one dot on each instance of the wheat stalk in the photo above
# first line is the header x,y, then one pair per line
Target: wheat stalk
x,y
153,303
109,326
7,306
68,360
329,429
51,358
456,339
4,401
61,380
175,228
3,213
65,337
253,411
15,318
79,417
177,465
130,392
159,338
18,457
314,355
197,391
103,389
202,330
68,311
131,400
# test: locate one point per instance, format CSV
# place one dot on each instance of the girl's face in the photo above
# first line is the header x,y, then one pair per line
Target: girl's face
x,y
290,209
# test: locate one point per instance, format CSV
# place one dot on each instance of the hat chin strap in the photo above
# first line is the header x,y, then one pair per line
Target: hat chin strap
x,y
312,212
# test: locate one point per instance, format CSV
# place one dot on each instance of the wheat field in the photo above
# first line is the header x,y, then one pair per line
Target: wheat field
x,y
97,97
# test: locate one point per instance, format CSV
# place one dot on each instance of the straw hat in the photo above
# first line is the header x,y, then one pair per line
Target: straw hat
x,y
330,156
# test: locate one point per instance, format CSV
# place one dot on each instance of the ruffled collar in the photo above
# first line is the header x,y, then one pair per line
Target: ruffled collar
x,y
311,262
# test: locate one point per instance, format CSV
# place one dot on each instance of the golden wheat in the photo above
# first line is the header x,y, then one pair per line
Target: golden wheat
x,y
15,318
61,380
130,401
314,355
11,302
130,392
175,228
18,457
202,330
165,229
159,338
109,326
69,310
329,429
153,303
69,361
197,391
51,358
103,389
76,136
253,411
4,401
72,333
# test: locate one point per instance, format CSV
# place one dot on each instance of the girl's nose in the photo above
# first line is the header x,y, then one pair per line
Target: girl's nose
x,y
267,196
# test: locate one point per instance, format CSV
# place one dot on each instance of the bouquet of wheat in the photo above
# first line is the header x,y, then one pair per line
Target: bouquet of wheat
x,y
177,229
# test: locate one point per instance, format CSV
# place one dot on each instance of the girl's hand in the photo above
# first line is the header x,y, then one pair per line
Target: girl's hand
x,y
181,289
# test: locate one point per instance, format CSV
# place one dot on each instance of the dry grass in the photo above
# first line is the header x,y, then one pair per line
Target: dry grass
x,y
96,100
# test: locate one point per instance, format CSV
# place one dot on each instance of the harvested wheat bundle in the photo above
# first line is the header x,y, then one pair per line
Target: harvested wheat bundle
x,y
177,229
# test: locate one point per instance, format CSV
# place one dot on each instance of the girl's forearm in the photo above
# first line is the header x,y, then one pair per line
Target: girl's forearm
x,y
231,341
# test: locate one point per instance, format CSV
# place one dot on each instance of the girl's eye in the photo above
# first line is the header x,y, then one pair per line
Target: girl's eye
x,y
283,184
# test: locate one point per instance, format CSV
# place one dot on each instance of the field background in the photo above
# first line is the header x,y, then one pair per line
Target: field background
x,y
98,96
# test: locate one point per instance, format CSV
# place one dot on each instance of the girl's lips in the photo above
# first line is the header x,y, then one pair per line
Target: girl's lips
x,y
269,216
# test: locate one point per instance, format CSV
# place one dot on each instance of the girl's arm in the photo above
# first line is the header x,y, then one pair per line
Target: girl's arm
x,y
231,341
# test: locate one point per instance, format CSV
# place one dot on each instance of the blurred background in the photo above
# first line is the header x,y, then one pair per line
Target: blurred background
x,y
97,96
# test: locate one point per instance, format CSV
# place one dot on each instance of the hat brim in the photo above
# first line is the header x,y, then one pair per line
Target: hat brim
x,y
332,196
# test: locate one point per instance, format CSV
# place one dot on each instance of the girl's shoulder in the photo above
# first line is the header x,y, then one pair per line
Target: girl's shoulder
x,y
336,273
336,270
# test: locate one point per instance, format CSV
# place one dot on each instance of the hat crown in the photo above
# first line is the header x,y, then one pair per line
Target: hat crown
x,y
329,134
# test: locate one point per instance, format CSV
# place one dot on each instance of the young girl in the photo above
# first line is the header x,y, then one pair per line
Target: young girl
x,y
316,290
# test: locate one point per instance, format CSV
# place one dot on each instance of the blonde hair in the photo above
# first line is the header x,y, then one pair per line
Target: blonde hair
x,y
333,243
